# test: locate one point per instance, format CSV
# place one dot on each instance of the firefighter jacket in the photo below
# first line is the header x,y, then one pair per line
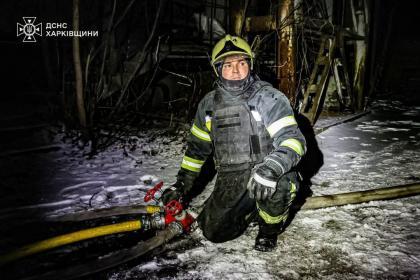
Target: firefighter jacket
x,y
244,129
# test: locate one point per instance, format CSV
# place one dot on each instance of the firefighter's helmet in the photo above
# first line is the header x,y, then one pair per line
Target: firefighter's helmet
x,y
230,45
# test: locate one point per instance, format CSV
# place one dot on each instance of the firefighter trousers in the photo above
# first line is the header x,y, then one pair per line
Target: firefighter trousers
x,y
226,213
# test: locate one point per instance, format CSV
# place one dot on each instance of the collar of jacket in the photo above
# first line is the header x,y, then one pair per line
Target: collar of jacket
x,y
245,92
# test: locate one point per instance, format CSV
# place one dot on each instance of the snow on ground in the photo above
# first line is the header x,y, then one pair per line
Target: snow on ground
x,y
376,240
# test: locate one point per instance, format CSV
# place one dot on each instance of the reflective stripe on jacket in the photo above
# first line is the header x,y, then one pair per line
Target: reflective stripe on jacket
x,y
267,107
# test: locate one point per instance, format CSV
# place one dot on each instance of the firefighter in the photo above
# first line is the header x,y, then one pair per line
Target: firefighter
x,y
250,129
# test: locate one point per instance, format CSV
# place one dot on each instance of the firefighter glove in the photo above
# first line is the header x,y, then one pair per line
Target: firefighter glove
x,y
170,194
263,182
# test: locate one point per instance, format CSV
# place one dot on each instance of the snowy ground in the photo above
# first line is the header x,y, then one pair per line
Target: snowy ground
x,y
376,240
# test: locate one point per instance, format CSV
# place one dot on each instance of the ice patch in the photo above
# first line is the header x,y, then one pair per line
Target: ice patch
x,y
126,188
149,179
312,222
153,266
349,137
411,113
392,129
84,184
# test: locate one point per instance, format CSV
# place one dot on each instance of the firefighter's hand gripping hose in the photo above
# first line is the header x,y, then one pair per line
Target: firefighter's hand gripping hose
x,y
174,214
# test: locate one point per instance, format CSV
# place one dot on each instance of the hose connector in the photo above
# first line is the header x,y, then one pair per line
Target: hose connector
x,y
153,221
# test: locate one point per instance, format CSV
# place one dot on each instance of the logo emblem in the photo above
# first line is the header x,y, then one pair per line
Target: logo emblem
x,y
29,29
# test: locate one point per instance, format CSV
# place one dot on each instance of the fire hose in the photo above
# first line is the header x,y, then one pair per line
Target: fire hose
x,y
173,220
174,213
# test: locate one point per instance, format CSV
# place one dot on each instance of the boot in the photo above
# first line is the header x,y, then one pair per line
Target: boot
x,y
266,240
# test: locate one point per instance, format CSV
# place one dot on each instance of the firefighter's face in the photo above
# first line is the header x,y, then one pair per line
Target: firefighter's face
x,y
235,67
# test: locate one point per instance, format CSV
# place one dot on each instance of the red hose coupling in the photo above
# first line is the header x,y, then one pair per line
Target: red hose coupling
x,y
154,193
186,219
175,213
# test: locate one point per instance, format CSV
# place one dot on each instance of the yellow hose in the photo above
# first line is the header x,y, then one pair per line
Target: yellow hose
x,y
107,212
69,238
150,209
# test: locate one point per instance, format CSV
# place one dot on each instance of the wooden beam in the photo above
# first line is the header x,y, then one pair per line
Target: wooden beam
x,y
362,196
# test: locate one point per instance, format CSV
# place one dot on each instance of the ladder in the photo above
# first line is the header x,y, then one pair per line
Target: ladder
x,y
318,83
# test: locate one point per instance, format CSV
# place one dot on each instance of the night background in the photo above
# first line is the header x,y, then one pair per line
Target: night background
x,y
94,122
